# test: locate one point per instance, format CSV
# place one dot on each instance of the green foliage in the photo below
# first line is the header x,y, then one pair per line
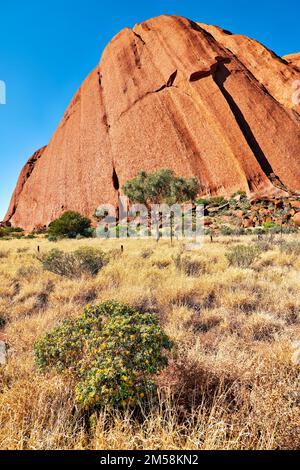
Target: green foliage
x,y
84,260
268,225
14,232
52,238
225,230
30,236
112,351
217,201
257,231
213,201
203,201
239,200
242,194
243,256
160,187
69,225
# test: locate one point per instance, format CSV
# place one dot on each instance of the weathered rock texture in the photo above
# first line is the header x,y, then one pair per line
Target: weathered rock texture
x,y
176,94
293,59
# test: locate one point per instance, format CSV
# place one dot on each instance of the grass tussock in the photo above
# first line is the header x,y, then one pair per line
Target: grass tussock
x,y
230,382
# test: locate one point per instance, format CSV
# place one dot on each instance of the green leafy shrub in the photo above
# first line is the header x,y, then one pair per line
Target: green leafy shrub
x,y
84,260
239,200
226,231
268,225
69,225
13,232
217,201
112,351
257,231
52,238
243,256
213,201
242,194
203,201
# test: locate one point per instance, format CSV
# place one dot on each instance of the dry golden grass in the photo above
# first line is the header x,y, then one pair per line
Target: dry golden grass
x,y
230,383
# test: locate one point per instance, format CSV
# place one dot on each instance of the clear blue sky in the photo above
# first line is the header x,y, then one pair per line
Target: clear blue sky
x,y
48,47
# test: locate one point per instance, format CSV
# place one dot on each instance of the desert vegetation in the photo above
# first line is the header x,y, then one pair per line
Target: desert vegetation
x,y
228,312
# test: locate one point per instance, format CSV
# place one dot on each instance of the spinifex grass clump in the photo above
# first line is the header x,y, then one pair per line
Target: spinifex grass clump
x,y
112,351
84,260
243,256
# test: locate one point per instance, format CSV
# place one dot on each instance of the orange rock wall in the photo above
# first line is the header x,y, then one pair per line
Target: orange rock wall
x,y
175,94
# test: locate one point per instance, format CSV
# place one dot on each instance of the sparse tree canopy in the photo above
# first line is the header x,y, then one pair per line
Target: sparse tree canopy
x,y
161,187
70,224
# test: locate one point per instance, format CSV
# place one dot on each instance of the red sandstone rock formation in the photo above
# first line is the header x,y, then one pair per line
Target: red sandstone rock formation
x,y
168,93
293,59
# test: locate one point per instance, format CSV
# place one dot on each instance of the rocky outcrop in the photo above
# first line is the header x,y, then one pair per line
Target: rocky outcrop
x,y
18,192
293,59
176,94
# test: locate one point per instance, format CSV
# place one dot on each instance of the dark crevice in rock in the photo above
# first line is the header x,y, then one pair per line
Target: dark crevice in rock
x,y
139,37
169,84
105,122
136,54
100,80
172,79
104,116
115,180
220,76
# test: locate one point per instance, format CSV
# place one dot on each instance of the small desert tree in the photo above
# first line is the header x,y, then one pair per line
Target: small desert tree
x,y
161,187
70,224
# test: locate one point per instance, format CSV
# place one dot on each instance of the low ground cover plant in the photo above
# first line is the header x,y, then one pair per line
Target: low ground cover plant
x,y
243,256
84,260
112,351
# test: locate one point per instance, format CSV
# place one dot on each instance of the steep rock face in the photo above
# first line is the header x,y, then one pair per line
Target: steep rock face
x,y
293,59
24,176
169,93
271,71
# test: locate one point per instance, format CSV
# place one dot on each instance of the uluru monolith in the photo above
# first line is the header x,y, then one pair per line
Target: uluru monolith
x,y
169,93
